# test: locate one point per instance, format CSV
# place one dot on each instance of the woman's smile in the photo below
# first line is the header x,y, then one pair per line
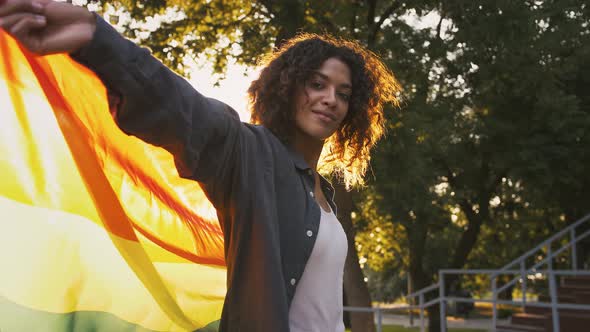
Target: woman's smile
x,y
322,102
324,116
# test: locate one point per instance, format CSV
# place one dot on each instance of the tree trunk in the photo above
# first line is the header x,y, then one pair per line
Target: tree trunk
x,y
289,17
419,277
433,318
507,293
355,288
469,237
583,246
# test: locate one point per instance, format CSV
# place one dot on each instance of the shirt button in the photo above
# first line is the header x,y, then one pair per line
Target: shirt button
x,y
311,193
309,233
293,281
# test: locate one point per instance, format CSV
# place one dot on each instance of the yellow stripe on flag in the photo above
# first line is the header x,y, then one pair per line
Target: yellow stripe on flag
x,y
95,220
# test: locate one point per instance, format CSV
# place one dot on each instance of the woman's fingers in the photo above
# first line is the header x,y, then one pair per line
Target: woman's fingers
x,y
10,7
23,19
24,31
61,27
7,22
23,26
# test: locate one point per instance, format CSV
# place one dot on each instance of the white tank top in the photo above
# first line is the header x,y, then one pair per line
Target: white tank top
x,y
317,303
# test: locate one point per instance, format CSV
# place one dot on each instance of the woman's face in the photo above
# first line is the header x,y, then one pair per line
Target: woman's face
x,y
322,103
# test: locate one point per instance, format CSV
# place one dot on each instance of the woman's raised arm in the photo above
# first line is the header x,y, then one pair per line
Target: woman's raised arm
x,y
157,105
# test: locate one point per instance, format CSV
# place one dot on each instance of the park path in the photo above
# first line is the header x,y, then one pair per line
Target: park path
x,y
483,324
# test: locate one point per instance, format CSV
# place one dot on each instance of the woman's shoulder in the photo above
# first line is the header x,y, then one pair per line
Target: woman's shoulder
x,y
266,135
268,143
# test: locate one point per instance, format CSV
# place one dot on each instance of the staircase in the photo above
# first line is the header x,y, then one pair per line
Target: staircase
x,y
566,307
573,290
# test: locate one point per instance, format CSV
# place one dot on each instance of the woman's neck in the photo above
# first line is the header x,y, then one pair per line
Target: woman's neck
x,y
309,148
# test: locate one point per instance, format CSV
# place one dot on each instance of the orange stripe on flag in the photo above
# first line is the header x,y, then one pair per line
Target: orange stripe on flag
x,y
76,161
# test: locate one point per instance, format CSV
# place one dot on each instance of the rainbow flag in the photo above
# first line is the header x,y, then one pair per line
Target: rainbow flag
x,y
97,230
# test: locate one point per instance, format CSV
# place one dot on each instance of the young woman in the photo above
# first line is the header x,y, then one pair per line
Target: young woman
x,y
317,103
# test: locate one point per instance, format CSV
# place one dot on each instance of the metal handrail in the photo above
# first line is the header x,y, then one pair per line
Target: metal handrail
x,y
569,231
422,291
532,304
562,249
421,304
546,242
538,264
491,272
530,272
523,272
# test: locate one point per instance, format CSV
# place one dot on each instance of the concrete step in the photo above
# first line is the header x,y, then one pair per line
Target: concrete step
x,y
569,321
518,328
583,281
529,319
580,295
561,298
547,311
574,321
567,289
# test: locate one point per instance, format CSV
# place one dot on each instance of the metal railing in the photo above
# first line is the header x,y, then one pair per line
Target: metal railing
x,y
377,309
554,304
378,312
522,272
421,305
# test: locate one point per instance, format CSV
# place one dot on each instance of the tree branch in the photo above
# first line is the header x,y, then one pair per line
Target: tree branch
x,y
372,4
329,25
439,25
268,4
376,27
386,15
353,19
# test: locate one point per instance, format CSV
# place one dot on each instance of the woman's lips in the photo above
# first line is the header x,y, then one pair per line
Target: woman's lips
x,y
323,116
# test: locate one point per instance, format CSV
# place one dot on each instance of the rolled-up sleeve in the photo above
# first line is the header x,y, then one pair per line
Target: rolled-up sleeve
x,y
163,109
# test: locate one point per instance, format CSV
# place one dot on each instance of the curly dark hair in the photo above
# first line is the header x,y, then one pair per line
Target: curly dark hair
x,y
346,153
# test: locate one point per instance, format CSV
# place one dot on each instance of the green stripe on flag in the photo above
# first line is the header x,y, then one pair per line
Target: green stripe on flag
x,y
16,318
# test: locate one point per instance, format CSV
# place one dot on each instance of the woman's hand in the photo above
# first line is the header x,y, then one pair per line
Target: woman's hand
x,y
47,27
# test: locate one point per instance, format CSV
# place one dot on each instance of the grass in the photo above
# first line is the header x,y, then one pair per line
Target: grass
x,y
397,328
482,310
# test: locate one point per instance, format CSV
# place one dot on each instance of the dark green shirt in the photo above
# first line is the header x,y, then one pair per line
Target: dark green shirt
x,y
262,190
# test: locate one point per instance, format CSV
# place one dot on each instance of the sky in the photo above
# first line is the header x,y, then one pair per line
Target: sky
x,y
232,90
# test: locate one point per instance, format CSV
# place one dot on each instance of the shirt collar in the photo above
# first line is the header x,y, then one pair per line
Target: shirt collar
x,y
298,160
302,165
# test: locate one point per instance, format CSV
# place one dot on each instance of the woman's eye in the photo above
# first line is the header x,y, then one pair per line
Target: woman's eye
x,y
316,85
344,96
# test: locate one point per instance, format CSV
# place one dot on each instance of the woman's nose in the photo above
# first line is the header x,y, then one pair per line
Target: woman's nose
x,y
329,97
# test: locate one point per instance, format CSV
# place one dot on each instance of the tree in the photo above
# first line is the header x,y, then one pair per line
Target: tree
x,y
495,93
243,30
489,99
